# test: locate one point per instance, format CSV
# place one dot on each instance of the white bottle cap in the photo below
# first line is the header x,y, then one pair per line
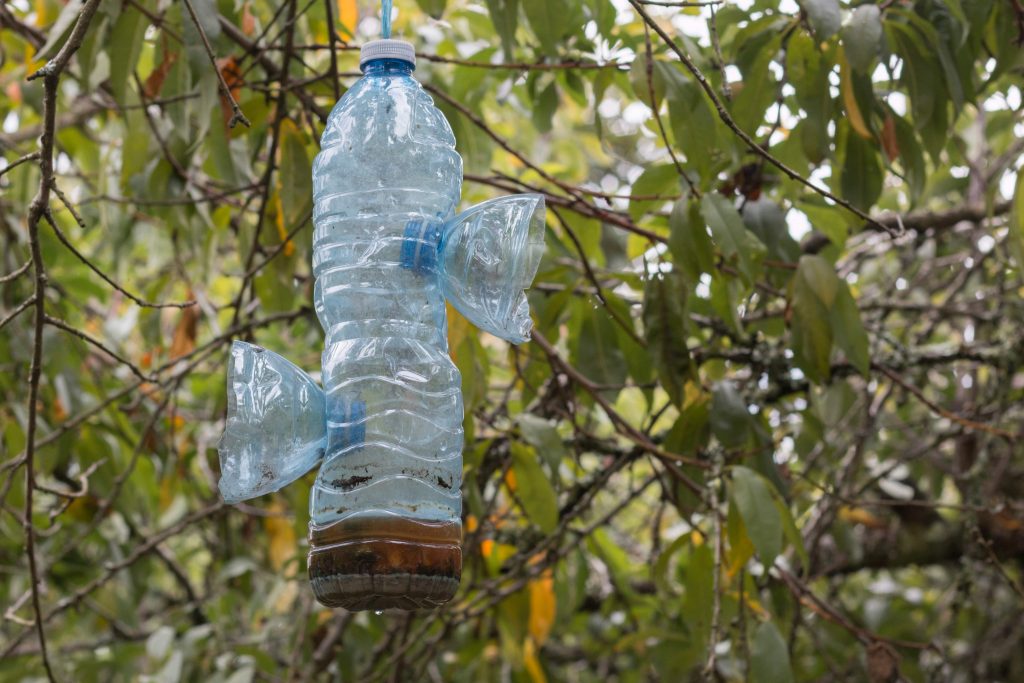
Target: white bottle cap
x,y
387,48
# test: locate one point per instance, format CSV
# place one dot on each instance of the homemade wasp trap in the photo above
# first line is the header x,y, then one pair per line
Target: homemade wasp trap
x,y
386,428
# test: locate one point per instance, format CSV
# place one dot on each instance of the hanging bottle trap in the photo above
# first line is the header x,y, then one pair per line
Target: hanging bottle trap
x,y
386,428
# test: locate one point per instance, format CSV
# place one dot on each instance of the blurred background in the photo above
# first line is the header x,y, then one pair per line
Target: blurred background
x,y
770,426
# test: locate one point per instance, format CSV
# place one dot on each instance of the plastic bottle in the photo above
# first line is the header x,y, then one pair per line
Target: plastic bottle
x,y
385,508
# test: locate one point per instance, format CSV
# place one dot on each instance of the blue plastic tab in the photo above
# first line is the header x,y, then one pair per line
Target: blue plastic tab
x,y
419,248
346,424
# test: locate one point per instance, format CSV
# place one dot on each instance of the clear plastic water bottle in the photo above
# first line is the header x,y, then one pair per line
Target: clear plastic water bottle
x,y
385,526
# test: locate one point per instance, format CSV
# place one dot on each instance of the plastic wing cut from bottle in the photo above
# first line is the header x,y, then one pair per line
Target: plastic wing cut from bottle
x,y
275,424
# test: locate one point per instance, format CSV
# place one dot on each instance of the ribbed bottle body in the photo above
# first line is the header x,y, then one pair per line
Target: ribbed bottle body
x,y
386,504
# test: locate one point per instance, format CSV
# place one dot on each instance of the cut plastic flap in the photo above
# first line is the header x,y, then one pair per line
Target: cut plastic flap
x,y
276,427
490,254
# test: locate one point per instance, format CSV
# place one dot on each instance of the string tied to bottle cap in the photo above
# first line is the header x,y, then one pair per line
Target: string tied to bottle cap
x,y
385,18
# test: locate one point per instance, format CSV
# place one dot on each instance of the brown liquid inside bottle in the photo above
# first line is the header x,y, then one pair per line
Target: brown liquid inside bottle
x,y
364,563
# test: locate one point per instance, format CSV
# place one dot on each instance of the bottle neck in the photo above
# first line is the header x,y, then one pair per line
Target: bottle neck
x,y
387,67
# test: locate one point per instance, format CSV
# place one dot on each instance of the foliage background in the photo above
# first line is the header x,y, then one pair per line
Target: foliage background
x,y
760,434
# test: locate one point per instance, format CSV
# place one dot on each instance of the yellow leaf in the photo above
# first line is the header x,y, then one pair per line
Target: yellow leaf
x,y
531,663
348,15
542,607
472,524
858,515
166,493
282,232
42,13
280,538
755,607
458,329
738,555
850,101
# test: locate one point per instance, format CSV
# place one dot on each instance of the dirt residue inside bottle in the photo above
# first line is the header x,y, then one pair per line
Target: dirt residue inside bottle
x,y
389,562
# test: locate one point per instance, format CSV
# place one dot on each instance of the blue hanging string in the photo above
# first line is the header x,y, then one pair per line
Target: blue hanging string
x,y
385,17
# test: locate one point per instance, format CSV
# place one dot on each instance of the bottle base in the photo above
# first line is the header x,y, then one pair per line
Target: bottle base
x,y
378,563
357,592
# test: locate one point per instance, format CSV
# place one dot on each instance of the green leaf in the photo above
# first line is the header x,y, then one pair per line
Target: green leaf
x,y
694,126
727,293
661,180
848,330
637,357
824,311
689,242
741,548
821,277
135,150
862,36
665,77
598,355
544,106
124,47
823,16
434,8
698,604
789,529
602,12
759,86
769,656
752,494
296,176
861,178
767,221
505,17
534,488
1017,221
729,233
665,330
690,431
814,283
730,419
275,286
551,20
911,157
808,72
542,435
922,77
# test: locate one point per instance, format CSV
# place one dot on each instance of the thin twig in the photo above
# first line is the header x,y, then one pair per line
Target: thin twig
x,y
32,156
60,324
236,112
81,257
15,274
949,415
17,311
656,112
